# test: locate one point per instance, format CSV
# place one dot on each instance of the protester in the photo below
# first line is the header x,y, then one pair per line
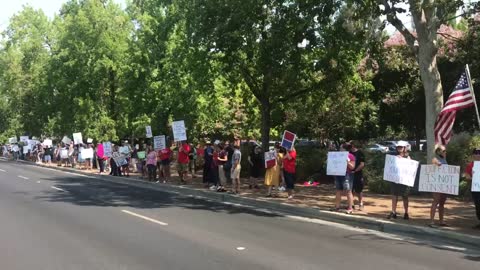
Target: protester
x,y
114,162
222,160
228,166
89,160
236,168
272,174
207,166
358,182
192,155
40,152
398,189
165,156
344,184
101,157
439,199
151,164
71,157
47,157
469,176
214,169
255,162
289,170
126,151
56,155
183,160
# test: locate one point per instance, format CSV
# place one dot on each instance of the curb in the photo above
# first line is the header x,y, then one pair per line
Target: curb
x,y
308,212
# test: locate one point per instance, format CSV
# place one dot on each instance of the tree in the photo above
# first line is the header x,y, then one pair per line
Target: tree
x,y
428,16
279,50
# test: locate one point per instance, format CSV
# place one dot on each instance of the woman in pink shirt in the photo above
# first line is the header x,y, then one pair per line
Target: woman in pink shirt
x,y
152,164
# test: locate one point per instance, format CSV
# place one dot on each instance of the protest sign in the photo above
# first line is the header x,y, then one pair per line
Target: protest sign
x,y
288,139
440,179
24,139
89,140
337,163
15,148
270,159
400,170
107,149
87,153
26,148
476,177
12,140
159,142
63,153
141,155
32,143
77,138
47,142
148,131
120,161
179,131
66,140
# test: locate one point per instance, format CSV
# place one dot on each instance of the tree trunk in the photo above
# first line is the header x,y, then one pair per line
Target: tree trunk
x,y
432,85
265,130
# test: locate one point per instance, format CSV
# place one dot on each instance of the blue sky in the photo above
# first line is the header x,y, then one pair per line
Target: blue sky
x,y
50,7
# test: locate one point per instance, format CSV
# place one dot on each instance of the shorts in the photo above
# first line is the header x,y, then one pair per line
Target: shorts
x,y
399,190
289,180
47,158
128,163
343,183
182,167
358,183
236,172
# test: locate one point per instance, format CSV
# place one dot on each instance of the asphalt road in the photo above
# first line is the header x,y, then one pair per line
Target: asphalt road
x,y
54,220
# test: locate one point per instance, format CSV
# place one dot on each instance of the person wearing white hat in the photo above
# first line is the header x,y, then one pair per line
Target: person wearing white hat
x,y
398,189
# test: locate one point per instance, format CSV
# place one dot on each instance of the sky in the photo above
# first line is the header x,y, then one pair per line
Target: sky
x,y
9,7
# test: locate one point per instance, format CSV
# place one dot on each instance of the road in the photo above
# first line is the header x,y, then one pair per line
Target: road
x,y
53,220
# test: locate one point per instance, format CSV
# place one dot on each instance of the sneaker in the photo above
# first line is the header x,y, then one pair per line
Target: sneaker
x,y
213,188
157,181
392,215
360,207
290,197
349,211
406,217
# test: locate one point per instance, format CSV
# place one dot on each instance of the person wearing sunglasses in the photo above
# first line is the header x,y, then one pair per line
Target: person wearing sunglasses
x,y
469,175
439,199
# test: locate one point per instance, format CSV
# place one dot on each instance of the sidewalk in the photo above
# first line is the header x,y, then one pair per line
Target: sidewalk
x,y
309,201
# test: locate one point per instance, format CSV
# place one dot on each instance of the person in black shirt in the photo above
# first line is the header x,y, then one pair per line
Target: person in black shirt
x,y
358,181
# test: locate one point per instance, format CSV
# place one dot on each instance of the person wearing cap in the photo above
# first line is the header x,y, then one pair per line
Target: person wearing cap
x,y
398,189
469,175
439,199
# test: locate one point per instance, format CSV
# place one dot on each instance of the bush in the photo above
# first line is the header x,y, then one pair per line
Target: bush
x,y
311,164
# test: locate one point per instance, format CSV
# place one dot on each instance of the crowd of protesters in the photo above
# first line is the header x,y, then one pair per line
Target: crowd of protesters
x,y
221,164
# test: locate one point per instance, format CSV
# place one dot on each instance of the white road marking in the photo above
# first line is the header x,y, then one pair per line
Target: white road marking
x,y
240,248
23,177
57,188
2,170
145,218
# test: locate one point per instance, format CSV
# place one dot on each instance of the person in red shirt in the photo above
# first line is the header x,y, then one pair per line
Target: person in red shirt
x,y
164,159
183,160
289,164
469,175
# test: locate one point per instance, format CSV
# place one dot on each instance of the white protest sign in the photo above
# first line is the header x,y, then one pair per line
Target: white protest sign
x,y
476,177
440,179
148,131
24,139
26,148
179,131
66,140
337,163
47,142
64,153
77,138
89,140
15,148
400,170
107,149
270,159
159,142
87,153
32,143
12,140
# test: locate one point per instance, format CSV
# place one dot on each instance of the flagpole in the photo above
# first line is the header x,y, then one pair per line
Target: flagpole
x,y
473,94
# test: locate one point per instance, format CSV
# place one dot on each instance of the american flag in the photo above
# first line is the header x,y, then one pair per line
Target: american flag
x,y
460,98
